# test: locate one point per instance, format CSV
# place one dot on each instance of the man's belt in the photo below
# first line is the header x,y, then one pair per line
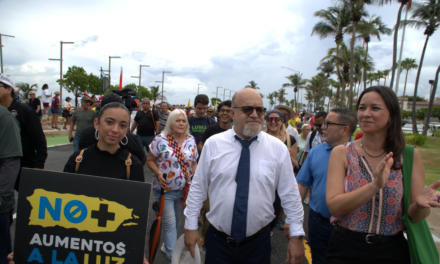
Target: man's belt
x,y
248,239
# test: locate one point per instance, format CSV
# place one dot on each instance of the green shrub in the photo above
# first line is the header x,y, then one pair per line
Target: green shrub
x,y
415,139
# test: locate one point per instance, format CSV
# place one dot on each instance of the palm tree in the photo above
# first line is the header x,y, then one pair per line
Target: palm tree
x,y
252,85
399,14
385,75
25,88
327,68
407,64
271,96
154,90
425,14
297,83
373,27
292,103
379,75
281,95
357,11
335,21
275,96
316,87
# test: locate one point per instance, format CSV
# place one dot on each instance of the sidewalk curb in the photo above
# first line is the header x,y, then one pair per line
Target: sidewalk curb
x,y
59,145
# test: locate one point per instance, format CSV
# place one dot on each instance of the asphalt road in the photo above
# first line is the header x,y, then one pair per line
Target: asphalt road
x,y
57,157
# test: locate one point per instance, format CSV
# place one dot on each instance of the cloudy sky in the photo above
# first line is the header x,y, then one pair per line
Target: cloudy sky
x,y
211,43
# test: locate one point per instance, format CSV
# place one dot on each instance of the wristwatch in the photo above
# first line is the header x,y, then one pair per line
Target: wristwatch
x,y
299,237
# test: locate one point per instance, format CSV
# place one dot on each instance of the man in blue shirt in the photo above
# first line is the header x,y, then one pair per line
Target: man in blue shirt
x,y
337,129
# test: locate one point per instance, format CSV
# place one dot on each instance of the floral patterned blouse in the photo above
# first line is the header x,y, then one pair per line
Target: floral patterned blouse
x,y
382,215
167,161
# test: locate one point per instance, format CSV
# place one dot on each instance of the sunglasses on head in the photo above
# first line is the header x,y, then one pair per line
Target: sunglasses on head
x,y
248,110
272,119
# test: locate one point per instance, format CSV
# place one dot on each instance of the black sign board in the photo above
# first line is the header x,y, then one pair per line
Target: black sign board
x,y
66,218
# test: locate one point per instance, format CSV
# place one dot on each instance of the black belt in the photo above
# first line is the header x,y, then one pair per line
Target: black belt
x,y
368,238
232,241
322,218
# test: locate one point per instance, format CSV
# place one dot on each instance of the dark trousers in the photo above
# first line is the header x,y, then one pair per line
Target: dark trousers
x,y
219,251
320,231
5,236
342,249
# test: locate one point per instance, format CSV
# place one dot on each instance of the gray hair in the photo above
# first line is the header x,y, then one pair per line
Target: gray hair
x,y
347,118
172,119
146,98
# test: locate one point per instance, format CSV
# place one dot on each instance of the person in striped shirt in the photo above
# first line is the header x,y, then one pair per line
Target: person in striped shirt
x,y
163,115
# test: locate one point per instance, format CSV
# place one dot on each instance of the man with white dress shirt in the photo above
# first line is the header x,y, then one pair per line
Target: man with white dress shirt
x,y
240,169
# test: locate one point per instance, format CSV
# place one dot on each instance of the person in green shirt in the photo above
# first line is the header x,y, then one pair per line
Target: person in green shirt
x,y
82,117
10,154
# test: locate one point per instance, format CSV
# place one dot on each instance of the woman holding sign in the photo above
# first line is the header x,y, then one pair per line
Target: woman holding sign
x,y
173,152
106,158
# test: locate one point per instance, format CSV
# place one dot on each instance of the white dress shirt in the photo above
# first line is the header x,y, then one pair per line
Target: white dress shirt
x,y
270,169
316,141
293,132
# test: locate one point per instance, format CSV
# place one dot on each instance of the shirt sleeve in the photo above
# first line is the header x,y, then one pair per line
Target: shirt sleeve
x,y
9,168
156,116
135,147
137,170
206,134
304,175
290,197
307,147
154,146
74,116
198,191
38,138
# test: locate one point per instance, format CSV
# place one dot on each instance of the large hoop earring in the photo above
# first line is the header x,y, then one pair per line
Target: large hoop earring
x,y
122,143
96,135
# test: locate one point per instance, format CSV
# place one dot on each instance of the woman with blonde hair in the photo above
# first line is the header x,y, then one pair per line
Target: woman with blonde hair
x,y
174,153
275,120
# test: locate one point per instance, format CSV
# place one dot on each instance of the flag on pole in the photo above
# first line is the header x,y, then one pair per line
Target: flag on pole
x,y
409,4
120,81
189,102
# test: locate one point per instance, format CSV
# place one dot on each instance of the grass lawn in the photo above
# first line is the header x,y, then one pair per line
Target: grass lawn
x,y
60,140
431,159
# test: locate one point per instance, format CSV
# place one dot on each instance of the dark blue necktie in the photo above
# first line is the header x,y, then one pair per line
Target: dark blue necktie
x,y
239,216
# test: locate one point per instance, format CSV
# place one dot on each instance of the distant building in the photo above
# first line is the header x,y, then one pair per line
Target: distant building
x,y
419,105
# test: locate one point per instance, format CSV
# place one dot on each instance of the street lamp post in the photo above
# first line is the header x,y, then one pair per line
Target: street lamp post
x,y
216,93
61,67
1,48
198,88
163,76
140,73
230,94
224,92
110,69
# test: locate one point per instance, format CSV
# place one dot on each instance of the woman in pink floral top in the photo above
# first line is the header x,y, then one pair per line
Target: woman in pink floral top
x,y
174,153
365,189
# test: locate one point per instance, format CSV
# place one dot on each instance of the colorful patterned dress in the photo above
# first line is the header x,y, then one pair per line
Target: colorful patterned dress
x,y
382,215
167,161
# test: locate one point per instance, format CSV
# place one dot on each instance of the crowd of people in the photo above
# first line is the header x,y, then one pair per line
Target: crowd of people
x,y
241,169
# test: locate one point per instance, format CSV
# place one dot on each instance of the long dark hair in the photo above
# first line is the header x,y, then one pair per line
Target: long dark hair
x,y
394,141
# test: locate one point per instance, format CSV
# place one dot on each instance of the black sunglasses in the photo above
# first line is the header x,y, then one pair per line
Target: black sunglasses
x,y
328,123
248,110
317,125
225,110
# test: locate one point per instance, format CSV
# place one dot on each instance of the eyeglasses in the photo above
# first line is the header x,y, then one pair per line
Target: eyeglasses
x,y
325,124
225,110
317,125
273,119
248,110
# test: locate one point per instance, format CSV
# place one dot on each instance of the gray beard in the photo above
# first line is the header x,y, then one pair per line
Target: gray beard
x,y
250,132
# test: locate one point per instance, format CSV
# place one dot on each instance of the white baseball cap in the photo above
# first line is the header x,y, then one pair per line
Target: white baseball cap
x,y
6,80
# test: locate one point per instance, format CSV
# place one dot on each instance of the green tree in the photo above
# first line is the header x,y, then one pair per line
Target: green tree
x,y
262,96
214,99
436,112
275,96
379,75
154,90
421,113
407,64
406,114
399,14
425,14
271,97
282,95
334,23
366,29
25,88
295,81
418,99
385,75
94,86
252,85
76,81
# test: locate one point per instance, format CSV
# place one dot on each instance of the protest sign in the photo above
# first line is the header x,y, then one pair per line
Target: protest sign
x,y
66,218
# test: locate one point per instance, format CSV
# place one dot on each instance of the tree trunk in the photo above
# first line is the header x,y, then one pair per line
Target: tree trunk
x,y
353,35
384,81
413,116
341,81
431,103
404,88
365,70
396,31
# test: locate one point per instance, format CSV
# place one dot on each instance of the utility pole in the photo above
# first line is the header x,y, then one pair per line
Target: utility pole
x,y
110,69
61,67
140,74
1,48
224,92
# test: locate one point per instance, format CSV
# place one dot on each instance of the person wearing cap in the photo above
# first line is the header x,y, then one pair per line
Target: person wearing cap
x,y
210,113
55,110
33,140
82,117
10,154
67,111
35,103
289,113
